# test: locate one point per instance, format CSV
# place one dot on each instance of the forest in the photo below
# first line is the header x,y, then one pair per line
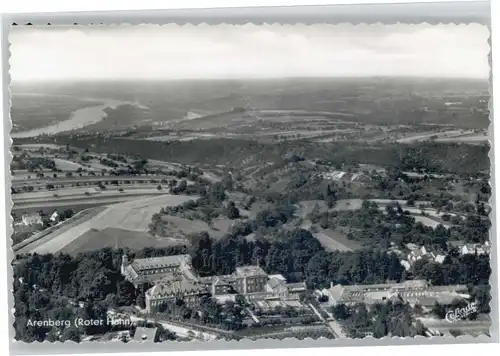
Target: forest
x,y
45,285
375,227
461,159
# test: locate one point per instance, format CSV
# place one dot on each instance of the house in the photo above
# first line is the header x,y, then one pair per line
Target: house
x,y
146,334
250,279
54,217
406,265
29,220
439,258
155,269
164,293
277,288
415,255
295,290
222,285
470,249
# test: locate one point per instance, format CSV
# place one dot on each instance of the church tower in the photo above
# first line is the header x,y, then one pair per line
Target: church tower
x,y
124,263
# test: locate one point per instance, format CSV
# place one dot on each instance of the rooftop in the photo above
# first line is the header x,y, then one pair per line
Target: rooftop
x,y
348,292
158,262
456,243
411,246
277,276
275,282
296,286
175,287
250,271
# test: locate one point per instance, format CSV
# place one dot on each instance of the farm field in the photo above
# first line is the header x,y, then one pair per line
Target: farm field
x,y
305,207
132,215
430,135
112,237
472,139
66,165
333,240
428,221
178,227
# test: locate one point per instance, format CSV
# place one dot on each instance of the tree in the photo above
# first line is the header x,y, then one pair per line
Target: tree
x,y
71,334
439,310
126,293
182,186
140,301
323,221
420,328
341,312
456,332
330,196
482,295
163,334
232,211
395,268
158,187
315,214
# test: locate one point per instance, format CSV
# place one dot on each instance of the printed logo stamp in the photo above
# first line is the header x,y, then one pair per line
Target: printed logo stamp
x,y
458,314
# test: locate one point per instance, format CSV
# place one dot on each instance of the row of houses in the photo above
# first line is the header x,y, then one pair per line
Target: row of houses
x,y
345,176
416,253
174,278
36,219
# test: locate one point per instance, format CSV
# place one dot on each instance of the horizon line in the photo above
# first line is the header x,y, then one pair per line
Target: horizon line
x,y
27,81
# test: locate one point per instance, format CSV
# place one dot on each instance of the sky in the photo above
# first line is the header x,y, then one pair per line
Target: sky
x,y
247,51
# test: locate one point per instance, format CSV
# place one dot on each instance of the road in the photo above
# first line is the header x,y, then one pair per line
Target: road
x,y
16,183
94,199
466,326
318,314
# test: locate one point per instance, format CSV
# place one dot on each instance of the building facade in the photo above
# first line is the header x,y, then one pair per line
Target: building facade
x,y
174,281
153,270
413,292
250,279
159,297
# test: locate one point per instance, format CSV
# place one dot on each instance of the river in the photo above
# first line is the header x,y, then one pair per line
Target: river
x,y
78,118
